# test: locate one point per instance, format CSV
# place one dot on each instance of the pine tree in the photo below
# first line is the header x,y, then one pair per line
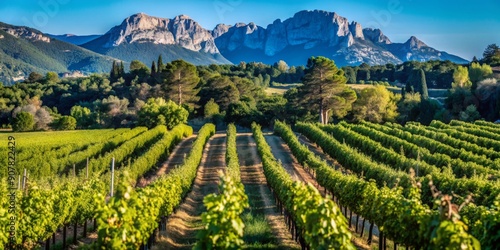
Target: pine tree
x,y
181,82
325,89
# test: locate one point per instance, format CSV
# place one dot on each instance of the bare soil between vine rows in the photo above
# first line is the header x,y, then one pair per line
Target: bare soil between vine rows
x,y
183,225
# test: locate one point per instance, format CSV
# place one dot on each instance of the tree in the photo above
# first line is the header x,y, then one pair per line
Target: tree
x,y
428,111
153,69
470,114
458,100
122,69
350,74
115,71
182,81
488,94
23,121
423,85
478,72
65,123
222,90
139,69
282,66
461,78
242,113
417,83
41,115
52,77
248,88
324,89
42,118
375,104
273,108
363,74
83,116
157,111
491,55
211,109
34,77
160,64
408,107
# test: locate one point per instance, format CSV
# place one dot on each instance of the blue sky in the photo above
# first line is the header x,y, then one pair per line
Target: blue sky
x,y
460,27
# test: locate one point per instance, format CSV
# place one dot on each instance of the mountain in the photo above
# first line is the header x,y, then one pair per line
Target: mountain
x,y
314,33
416,50
24,50
142,37
74,39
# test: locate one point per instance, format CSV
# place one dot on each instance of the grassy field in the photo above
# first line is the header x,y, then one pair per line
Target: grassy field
x,y
53,137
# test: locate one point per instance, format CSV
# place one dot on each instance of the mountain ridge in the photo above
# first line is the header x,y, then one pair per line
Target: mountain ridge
x,y
342,40
143,37
24,50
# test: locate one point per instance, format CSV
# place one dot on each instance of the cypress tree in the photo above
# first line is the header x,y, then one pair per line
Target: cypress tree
x,y
160,64
423,85
153,69
114,71
122,69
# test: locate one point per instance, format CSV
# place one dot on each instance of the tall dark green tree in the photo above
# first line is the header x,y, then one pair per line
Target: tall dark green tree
x,y
350,74
181,83
115,70
23,121
423,85
222,90
160,64
325,90
122,69
417,83
491,55
139,69
153,69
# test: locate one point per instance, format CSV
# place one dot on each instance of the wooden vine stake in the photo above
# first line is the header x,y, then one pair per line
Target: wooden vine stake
x,y
87,168
112,176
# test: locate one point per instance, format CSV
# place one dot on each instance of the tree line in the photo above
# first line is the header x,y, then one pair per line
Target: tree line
x,y
174,92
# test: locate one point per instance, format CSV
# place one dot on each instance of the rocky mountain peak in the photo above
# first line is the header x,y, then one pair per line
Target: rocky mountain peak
x,y
220,30
415,43
181,30
376,36
182,17
356,30
25,33
306,33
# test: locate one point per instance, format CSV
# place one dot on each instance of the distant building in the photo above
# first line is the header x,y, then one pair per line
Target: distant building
x,y
72,74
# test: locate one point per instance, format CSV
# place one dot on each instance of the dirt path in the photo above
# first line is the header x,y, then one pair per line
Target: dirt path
x,y
332,162
322,155
252,176
183,225
282,152
175,159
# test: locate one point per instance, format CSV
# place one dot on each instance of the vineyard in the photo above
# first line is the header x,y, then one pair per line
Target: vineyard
x,y
309,186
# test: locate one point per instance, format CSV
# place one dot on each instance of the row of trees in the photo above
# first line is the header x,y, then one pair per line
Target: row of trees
x,y
173,92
